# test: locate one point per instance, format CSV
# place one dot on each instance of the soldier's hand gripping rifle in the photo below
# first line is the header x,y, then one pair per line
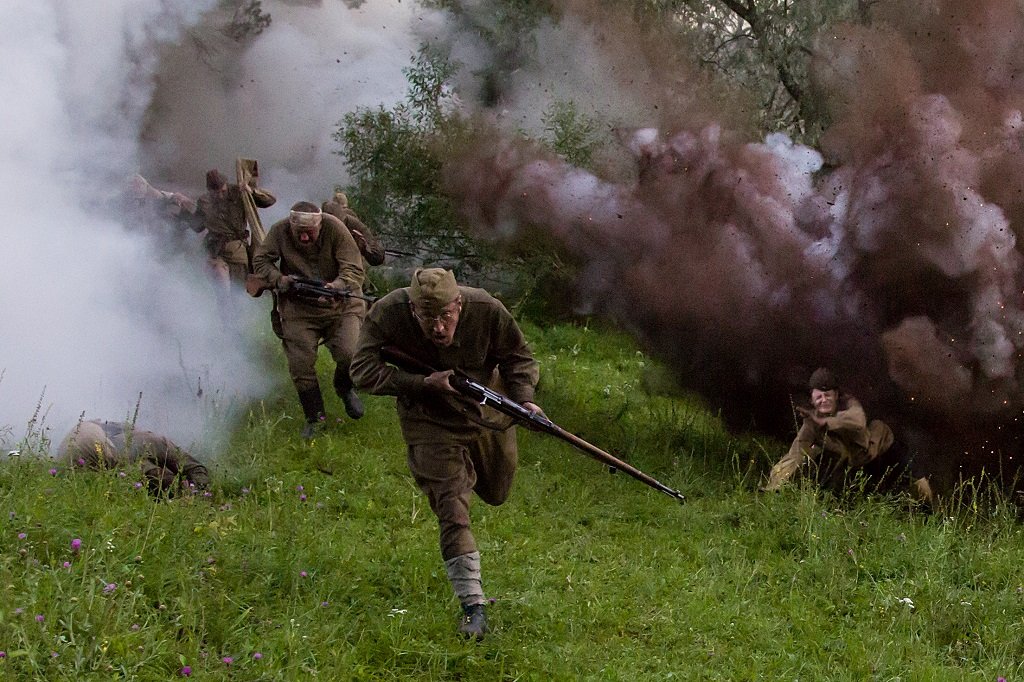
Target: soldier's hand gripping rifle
x,y
302,287
538,422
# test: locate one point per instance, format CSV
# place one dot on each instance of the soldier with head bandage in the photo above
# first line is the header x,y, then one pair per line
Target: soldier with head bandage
x,y
313,246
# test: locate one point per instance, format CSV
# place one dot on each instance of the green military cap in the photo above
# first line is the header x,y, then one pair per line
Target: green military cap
x,y
432,289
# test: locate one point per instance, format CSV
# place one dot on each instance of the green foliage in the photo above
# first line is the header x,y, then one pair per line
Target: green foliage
x,y
572,135
322,558
762,47
395,159
248,19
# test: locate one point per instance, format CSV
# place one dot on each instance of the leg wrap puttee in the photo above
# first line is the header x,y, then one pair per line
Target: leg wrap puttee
x,y
464,575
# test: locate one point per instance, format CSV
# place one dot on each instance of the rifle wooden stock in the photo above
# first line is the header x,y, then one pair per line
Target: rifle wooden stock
x,y
538,422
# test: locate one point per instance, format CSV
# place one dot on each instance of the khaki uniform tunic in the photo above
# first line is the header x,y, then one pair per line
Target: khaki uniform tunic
x,y
223,218
98,444
373,252
455,446
335,259
847,436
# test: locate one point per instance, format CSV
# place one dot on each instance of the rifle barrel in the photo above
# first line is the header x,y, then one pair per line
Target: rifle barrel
x,y
484,395
614,462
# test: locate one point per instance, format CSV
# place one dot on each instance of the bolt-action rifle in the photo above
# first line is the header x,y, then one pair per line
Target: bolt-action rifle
x,y
538,422
302,287
313,289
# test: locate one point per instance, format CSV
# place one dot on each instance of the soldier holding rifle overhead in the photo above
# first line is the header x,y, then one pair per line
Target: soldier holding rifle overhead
x,y
221,213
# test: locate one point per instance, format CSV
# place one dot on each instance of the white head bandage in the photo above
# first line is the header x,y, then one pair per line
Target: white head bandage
x,y
305,218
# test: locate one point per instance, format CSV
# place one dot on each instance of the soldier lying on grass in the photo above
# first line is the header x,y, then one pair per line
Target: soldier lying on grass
x,y
97,444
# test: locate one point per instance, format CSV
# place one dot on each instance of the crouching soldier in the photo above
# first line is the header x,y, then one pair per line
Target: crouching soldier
x,y
836,442
99,444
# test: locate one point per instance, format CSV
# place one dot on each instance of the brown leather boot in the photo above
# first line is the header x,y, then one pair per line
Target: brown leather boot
x,y
313,409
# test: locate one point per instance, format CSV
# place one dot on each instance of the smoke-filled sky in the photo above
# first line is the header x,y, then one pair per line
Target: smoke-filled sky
x,y
890,253
747,263
95,314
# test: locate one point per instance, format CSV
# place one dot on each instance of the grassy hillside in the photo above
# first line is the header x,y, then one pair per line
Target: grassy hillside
x,y
321,562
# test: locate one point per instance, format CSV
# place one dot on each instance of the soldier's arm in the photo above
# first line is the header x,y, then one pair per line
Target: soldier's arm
x,y
192,470
369,371
516,364
151,456
850,419
267,255
263,198
802,450
197,221
371,248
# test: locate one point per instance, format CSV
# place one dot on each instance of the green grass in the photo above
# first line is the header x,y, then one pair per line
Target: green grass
x,y
594,576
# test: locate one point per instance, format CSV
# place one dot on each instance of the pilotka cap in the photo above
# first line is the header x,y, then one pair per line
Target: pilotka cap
x,y
823,380
431,289
215,179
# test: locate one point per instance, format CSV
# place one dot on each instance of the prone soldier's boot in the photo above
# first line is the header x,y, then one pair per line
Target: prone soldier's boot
x,y
313,408
347,392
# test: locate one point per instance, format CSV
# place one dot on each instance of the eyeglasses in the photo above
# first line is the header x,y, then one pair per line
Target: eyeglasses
x,y
445,318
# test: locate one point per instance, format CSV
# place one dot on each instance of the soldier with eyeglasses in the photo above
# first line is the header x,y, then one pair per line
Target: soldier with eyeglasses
x,y
454,447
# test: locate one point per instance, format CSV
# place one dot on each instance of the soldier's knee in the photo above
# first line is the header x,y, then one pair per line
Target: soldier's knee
x,y
496,493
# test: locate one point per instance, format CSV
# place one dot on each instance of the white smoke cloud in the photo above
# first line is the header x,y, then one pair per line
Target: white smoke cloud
x,y
93,315
279,97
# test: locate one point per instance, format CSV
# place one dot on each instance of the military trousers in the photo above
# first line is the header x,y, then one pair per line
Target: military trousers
x,y
304,326
229,265
449,473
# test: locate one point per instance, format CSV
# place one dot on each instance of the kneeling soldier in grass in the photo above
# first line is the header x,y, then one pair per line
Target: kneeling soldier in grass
x,y
454,447
837,441
108,445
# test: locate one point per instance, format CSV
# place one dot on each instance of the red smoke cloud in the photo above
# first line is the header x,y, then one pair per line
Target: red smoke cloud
x,y
745,265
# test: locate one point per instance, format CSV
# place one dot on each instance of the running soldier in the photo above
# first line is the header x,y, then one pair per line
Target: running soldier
x,y
453,448
222,214
313,246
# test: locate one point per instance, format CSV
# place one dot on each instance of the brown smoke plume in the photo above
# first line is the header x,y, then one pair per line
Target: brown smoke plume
x,y
745,265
